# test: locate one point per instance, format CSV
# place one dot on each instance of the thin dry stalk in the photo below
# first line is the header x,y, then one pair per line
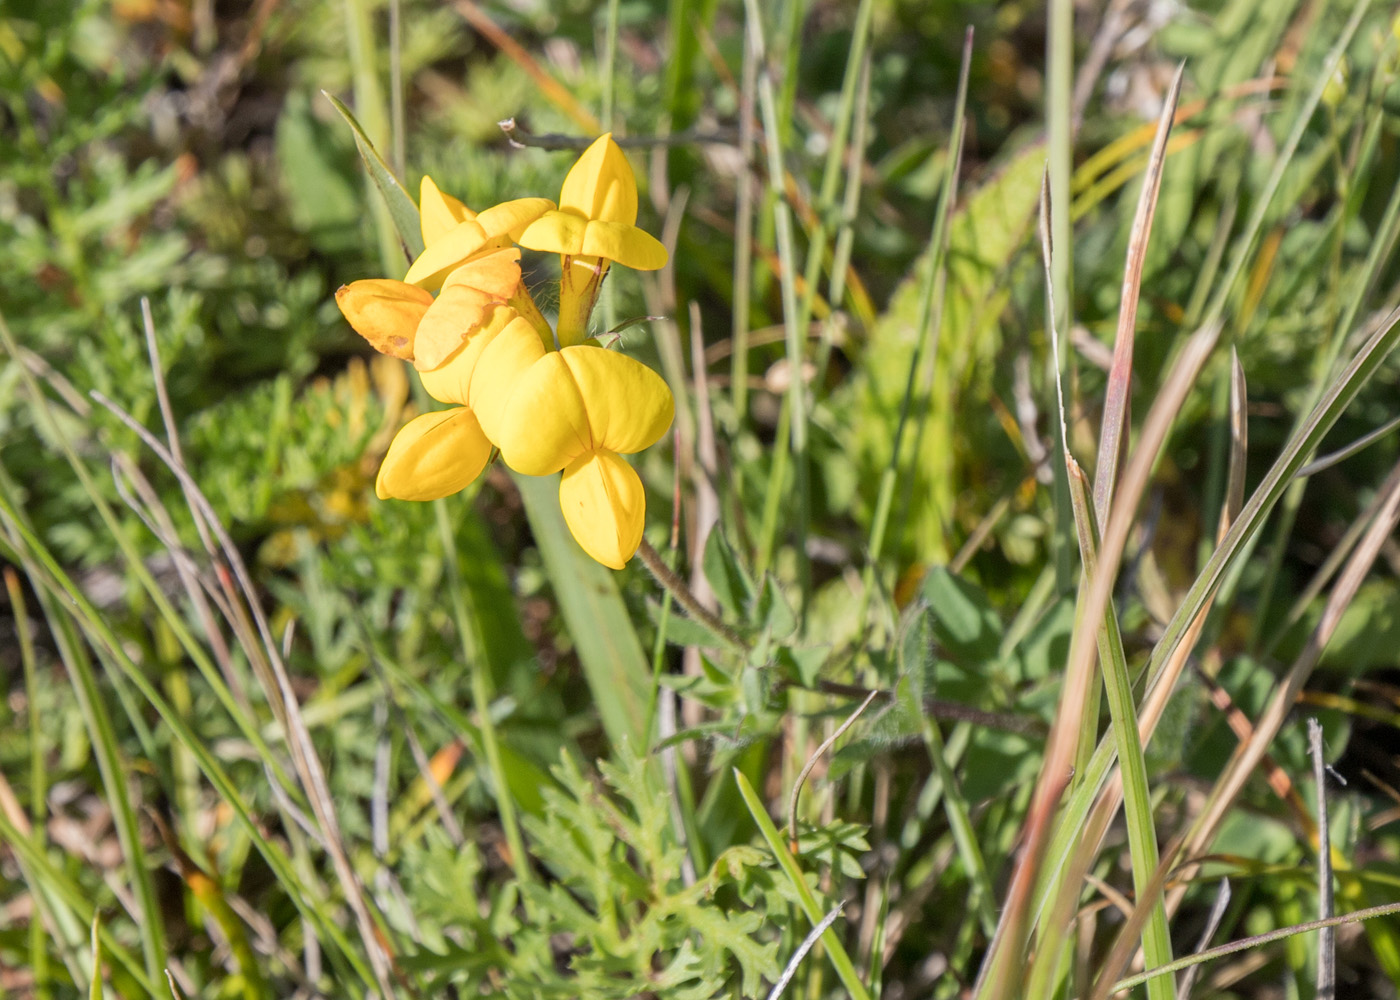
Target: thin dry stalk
x,y
1327,937
1217,914
1118,394
304,759
826,745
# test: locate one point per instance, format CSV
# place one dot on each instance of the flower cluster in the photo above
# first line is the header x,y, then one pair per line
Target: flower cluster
x,y
545,397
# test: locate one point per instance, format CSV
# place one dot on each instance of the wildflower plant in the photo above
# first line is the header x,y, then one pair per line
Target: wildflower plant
x,y
548,398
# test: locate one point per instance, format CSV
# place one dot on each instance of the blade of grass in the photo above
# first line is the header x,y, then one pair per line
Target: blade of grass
x,y
1059,108
960,824
304,759
835,154
1247,756
476,659
1117,411
1137,793
1327,936
835,950
369,99
38,781
846,231
743,231
609,650
1244,944
44,571
1003,962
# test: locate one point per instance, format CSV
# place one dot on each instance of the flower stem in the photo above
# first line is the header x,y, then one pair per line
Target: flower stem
x,y
669,579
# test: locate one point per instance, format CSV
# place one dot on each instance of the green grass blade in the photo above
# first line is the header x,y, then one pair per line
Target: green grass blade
x,y
43,569
960,823
608,648
1137,800
834,948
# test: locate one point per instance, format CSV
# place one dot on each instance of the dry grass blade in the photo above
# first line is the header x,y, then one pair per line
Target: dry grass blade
x,y
1327,937
1118,394
1131,932
308,765
807,943
1244,944
1239,447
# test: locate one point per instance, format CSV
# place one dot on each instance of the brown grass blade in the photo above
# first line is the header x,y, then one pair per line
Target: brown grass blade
x,y
1117,400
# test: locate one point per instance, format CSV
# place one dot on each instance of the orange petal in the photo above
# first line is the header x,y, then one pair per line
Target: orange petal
x,y
496,273
385,312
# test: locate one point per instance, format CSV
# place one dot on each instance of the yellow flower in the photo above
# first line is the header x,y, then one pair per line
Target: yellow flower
x,y
594,225
576,410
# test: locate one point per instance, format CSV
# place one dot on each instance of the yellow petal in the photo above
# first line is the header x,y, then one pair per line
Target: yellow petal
x,y
384,312
601,184
544,426
439,212
629,406
510,218
450,382
496,273
504,362
577,400
604,506
433,456
555,232
455,314
446,254
627,245
466,303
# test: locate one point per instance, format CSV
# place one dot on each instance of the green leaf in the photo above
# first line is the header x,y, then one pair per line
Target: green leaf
x,y
805,664
963,620
402,208
773,611
685,631
729,580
